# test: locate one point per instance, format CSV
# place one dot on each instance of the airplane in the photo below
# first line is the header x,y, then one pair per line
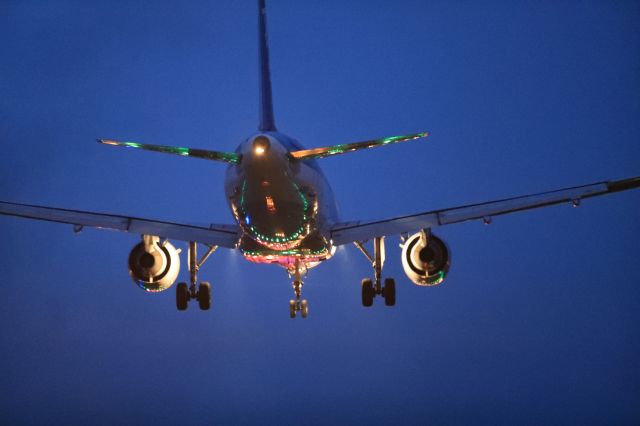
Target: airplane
x,y
285,214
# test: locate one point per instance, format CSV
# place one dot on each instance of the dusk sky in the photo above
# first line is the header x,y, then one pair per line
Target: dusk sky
x,y
538,321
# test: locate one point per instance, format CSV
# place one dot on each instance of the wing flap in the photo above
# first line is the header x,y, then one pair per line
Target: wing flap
x,y
344,233
220,235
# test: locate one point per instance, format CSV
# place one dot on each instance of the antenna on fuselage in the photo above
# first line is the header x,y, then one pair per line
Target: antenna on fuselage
x,y
267,122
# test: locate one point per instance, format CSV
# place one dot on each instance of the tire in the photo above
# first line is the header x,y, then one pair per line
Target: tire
x,y
292,309
389,292
204,296
182,297
368,292
304,309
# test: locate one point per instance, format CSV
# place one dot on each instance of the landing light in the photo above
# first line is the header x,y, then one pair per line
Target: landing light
x,y
260,145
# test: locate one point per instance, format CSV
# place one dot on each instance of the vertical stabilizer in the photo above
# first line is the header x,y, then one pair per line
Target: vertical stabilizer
x,y
267,122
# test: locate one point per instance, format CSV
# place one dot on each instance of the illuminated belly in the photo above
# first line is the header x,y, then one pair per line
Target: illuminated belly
x,y
310,251
275,224
275,213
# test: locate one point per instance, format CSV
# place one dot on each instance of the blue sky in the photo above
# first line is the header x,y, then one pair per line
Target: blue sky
x,y
538,321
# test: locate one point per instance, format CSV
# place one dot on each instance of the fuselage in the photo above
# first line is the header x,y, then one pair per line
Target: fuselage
x,y
284,207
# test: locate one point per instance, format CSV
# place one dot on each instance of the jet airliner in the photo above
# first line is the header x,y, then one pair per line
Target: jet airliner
x,y
285,214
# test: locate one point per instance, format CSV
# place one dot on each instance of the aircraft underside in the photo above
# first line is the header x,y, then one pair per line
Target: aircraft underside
x,y
154,265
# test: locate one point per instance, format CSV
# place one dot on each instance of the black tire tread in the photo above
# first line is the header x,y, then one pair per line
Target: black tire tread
x,y
389,292
182,296
368,292
204,296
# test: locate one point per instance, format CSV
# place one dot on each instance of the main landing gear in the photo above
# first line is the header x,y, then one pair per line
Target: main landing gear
x,y
373,288
298,305
203,291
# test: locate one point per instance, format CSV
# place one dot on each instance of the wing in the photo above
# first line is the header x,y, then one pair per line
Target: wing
x,y
313,153
219,235
344,233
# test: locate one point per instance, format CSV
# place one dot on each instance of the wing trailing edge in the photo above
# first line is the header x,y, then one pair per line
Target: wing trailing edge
x,y
314,153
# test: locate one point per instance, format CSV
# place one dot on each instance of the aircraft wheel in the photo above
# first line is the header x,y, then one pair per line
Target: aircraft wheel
x,y
204,296
368,292
389,292
304,308
182,296
292,308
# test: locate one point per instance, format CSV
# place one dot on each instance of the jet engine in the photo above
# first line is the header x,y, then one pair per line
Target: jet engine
x,y
425,259
154,265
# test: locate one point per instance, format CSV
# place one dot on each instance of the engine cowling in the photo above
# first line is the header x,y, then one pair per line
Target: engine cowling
x,y
154,265
426,259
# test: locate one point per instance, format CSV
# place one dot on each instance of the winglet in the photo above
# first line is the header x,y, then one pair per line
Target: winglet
x,y
227,157
309,154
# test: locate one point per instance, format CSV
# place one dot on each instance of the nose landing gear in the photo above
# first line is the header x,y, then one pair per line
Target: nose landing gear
x,y
203,291
373,288
298,305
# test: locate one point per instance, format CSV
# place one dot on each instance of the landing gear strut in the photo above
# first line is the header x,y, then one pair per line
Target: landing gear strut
x,y
298,305
203,291
373,288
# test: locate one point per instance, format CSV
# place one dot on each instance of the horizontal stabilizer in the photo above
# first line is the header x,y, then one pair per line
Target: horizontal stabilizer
x,y
227,157
310,154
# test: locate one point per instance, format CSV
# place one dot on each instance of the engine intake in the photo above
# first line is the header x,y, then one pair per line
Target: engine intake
x,y
426,259
154,266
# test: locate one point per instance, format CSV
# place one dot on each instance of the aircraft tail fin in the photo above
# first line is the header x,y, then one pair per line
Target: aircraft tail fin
x,y
267,122
227,157
313,153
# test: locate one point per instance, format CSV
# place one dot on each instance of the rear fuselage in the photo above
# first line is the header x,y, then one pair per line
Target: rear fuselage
x,y
284,206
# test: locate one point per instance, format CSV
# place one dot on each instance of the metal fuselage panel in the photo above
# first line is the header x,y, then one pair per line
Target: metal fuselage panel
x,y
284,207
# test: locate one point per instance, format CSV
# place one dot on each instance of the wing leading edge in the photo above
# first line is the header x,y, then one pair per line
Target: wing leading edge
x,y
219,235
348,232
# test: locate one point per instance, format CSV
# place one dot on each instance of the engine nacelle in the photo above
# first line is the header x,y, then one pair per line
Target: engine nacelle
x,y
426,259
154,266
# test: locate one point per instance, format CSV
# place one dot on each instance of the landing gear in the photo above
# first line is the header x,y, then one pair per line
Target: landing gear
x,y
298,305
372,288
182,296
292,308
368,292
204,296
203,291
389,292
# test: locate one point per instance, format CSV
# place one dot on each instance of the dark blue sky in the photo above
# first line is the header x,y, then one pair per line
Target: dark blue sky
x,y
538,321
